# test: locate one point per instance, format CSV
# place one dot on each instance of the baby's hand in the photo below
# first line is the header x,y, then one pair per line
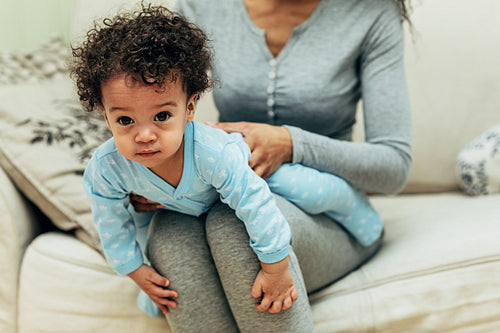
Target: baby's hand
x,y
276,283
154,285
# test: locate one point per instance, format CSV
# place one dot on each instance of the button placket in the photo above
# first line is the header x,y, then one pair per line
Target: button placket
x,y
271,90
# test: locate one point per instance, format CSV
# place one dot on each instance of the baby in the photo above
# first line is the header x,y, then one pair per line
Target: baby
x,y
145,71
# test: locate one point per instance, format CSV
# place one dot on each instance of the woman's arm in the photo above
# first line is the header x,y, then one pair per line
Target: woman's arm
x,y
382,163
376,57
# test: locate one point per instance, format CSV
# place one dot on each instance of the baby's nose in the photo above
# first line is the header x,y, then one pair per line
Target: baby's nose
x,y
145,134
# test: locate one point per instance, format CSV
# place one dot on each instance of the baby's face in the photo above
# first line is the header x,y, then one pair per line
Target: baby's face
x,y
147,122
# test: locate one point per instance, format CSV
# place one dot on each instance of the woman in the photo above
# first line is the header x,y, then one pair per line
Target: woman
x,y
291,74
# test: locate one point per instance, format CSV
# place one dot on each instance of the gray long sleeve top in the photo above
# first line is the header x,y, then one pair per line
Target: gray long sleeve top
x,y
345,51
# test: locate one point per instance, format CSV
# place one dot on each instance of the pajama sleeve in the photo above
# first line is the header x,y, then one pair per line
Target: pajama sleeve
x,y
112,219
250,197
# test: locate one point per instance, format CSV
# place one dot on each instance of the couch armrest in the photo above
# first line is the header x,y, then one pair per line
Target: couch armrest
x,y
19,224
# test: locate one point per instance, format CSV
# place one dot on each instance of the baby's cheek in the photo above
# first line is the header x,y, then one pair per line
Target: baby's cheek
x,y
125,148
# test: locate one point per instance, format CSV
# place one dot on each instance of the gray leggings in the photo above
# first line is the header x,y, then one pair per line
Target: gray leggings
x,y
210,264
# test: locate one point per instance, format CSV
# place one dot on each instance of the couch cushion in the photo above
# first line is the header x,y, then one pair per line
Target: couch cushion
x,y
438,270
66,286
46,140
15,233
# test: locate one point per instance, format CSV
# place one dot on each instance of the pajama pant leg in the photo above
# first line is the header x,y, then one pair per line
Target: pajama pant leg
x,y
320,192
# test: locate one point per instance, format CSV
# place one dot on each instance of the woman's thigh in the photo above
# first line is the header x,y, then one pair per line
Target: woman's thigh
x,y
178,250
326,252
238,266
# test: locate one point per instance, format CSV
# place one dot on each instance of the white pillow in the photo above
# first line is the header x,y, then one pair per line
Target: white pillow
x,y
478,164
46,140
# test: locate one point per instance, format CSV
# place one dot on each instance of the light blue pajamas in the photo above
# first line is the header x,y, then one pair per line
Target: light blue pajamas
x,y
318,192
215,163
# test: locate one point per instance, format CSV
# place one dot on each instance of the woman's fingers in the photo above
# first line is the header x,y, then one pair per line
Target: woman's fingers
x,y
140,199
144,205
231,127
261,164
270,145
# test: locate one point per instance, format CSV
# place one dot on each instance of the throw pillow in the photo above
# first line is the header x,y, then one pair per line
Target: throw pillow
x,y
48,61
46,139
478,164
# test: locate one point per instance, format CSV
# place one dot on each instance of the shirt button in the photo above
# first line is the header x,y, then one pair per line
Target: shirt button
x,y
270,90
272,62
270,114
272,75
270,102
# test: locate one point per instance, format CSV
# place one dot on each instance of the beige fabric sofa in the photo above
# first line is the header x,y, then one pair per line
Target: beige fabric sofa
x,y
438,270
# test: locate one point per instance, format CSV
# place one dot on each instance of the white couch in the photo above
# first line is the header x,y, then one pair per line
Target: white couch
x,y
438,270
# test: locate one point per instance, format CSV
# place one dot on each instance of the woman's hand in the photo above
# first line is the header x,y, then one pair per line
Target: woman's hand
x,y
143,205
270,145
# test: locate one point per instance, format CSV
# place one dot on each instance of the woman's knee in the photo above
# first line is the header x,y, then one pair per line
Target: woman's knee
x,y
227,237
170,232
222,222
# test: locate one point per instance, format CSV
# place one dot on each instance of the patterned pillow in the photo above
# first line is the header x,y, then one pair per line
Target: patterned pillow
x,y
48,61
478,164
46,140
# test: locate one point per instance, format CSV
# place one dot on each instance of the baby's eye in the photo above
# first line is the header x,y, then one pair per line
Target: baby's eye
x,y
125,121
162,116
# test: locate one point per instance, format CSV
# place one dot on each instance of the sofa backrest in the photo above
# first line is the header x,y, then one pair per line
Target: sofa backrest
x,y
453,71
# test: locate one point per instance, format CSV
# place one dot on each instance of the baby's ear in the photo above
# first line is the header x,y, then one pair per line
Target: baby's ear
x,y
191,106
99,105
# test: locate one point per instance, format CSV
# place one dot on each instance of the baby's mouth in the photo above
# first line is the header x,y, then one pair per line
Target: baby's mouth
x,y
147,153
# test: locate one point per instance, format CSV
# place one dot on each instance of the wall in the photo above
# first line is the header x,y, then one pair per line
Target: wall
x,y
24,24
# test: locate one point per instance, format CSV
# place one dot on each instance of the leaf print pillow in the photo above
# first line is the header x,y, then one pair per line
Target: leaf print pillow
x,y
46,139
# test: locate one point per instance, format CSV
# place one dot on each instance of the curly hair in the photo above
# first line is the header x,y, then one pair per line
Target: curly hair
x,y
153,45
